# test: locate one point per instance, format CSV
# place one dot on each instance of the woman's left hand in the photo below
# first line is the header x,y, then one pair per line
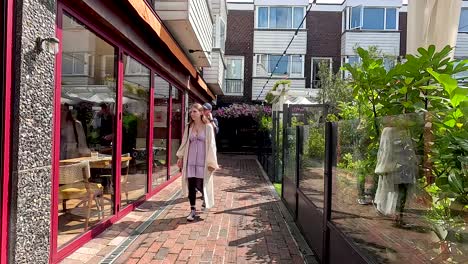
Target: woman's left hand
x,y
211,169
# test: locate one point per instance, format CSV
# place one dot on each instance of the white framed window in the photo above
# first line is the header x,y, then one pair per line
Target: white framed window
x,y
262,62
219,36
355,17
280,17
463,24
388,62
316,63
234,82
372,18
77,63
289,65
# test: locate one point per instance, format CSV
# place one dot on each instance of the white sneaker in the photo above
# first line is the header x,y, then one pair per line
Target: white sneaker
x,y
191,216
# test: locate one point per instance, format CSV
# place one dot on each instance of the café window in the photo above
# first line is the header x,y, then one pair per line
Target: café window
x,y
176,128
160,130
87,126
134,160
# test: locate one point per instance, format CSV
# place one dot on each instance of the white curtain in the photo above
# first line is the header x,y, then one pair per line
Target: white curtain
x,y
432,22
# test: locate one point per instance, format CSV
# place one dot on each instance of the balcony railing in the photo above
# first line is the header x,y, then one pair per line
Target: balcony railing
x,y
234,86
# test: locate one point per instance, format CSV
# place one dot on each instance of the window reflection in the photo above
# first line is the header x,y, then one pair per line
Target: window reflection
x,y
86,130
373,18
160,130
134,162
176,128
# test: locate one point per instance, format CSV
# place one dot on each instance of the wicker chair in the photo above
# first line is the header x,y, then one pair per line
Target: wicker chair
x,y
74,184
125,166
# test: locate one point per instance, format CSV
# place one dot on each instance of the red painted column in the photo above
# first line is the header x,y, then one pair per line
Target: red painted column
x,y
150,134
117,144
56,137
8,60
169,131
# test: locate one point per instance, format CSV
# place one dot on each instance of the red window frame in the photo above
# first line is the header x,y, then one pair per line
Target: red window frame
x,y
56,254
7,45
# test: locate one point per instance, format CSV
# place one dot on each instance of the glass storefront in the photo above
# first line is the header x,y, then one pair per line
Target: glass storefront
x,y
176,128
113,108
160,130
134,163
87,120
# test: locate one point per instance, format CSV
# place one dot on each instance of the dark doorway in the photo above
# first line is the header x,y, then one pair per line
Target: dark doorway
x,y
237,135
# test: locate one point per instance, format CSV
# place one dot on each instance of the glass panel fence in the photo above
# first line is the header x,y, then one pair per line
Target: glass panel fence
x,y
400,188
312,155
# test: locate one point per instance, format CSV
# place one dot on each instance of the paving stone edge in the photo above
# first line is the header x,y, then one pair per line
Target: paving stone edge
x,y
306,252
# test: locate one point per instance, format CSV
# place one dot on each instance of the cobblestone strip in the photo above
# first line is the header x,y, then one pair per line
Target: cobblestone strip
x,y
299,240
112,256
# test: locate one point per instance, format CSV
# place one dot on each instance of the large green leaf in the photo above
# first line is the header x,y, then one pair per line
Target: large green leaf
x,y
458,95
450,123
442,181
456,183
449,83
464,107
462,142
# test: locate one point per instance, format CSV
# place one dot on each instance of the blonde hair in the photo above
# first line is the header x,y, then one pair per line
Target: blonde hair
x,y
200,108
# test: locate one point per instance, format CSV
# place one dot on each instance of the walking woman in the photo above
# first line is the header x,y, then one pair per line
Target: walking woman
x,y
197,159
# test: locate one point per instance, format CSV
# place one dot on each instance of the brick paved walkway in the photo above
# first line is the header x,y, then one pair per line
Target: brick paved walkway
x,y
245,226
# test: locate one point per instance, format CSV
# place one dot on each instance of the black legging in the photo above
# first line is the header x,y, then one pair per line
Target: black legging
x,y
194,184
402,195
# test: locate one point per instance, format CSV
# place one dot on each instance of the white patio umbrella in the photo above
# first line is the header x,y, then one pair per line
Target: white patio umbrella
x,y
432,22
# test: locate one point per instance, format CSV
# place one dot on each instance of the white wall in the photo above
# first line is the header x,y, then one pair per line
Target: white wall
x,y
172,10
257,85
387,42
461,48
275,42
215,73
240,6
202,22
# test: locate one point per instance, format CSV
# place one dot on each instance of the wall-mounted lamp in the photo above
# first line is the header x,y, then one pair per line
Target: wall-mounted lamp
x,y
49,44
193,51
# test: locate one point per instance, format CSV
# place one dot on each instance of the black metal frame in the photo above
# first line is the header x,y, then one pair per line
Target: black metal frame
x,y
328,242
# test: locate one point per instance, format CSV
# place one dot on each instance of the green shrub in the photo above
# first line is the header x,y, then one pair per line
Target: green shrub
x,y
316,143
